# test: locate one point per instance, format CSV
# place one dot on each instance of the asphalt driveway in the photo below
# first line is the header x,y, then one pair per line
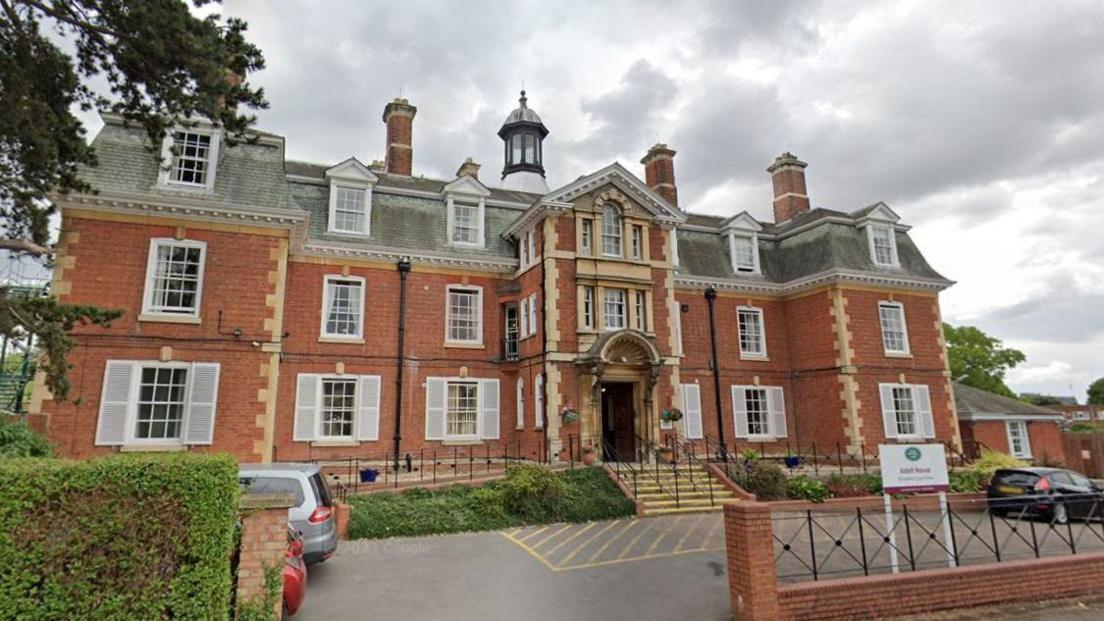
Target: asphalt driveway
x,y
647,568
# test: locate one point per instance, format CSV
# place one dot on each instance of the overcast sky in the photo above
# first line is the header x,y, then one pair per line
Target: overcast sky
x,y
982,124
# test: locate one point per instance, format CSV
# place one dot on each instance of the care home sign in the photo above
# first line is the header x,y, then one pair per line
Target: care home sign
x,y
913,468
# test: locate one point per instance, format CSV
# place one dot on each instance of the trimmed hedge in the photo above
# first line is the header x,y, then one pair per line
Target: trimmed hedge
x,y
119,537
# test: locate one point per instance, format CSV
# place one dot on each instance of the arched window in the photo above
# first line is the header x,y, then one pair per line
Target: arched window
x,y
520,403
611,231
538,401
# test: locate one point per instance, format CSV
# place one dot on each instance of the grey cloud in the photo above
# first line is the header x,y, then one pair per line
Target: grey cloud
x,y
1061,313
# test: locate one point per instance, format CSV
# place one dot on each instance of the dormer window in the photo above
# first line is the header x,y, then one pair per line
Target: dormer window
x,y
192,156
745,253
883,245
351,186
465,222
611,231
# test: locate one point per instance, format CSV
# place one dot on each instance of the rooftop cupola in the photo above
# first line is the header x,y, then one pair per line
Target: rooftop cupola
x,y
523,135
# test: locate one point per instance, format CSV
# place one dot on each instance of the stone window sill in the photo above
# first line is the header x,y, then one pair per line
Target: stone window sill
x,y
890,354
471,442
334,443
161,318
340,339
459,345
152,448
754,358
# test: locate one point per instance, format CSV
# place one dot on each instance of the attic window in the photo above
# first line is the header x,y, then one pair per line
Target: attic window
x,y
465,221
350,214
192,155
883,245
745,253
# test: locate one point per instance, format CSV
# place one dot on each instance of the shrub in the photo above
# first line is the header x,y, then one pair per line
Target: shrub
x,y
804,487
965,480
532,492
991,461
852,485
120,537
591,495
764,479
19,440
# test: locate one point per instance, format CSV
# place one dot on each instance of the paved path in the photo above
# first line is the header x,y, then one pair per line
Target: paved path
x,y
632,569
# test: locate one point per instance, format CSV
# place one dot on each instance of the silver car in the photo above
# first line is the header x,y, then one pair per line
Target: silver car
x,y
313,514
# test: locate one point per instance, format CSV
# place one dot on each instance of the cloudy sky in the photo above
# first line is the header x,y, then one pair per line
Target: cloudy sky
x,y
983,128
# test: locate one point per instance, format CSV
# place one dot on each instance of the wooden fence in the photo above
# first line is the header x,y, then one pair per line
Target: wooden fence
x,y
1084,452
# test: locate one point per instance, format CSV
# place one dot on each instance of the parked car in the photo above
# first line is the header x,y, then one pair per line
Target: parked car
x,y
295,573
1052,493
313,513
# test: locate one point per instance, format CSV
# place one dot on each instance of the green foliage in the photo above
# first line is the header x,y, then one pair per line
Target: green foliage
x,y
979,360
586,494
529,491
264,608
804,487
1084,427
121,537
851,485
19,440
991,461
966,480
1038,399
749,455
1096,392
764,479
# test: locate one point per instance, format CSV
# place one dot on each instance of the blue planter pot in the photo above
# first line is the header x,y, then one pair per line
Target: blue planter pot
x,y
368,475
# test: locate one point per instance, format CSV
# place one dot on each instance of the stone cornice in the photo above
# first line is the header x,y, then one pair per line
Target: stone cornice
x,y
319,249
827,277
181,206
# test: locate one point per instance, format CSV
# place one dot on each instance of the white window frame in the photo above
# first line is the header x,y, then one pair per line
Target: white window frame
x,y
532,313
326,300
900,308
478,411
919,422
640,303
674,254
148,308
520,404
637,242
1025,439
676,314
606,326
523,319
169,159
480,229
366,198
318,424
523,251
615,234
586,237
130,425
532,241
478,291
870,234
538,401
738,266
588,307
758,313
775,412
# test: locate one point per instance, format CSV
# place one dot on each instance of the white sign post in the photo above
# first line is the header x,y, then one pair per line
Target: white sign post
x,y
915,468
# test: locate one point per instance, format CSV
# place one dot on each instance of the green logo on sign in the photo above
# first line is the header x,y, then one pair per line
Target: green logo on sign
x,y
912,453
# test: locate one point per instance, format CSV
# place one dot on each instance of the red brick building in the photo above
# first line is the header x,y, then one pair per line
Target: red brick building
x,y
285,310
1007,425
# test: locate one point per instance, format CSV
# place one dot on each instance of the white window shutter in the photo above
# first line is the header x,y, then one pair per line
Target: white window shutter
x,y
200,426
533,313
889,417
368,407
538,401
692,414
525,317
739,411
921,395
520,403
306,406
488,407
114,403
777,404
436,397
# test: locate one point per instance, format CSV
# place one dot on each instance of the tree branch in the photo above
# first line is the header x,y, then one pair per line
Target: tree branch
x,y
23,245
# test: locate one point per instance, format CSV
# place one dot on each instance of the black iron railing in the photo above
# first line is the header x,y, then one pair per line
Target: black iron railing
x,y
819,544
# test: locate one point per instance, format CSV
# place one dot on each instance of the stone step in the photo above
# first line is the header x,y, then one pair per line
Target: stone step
x,y
668,511
682,497
682,502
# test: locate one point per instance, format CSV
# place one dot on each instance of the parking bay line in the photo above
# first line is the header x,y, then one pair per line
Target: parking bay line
x,y
605,545
568,558
531,551
690,530
550,536
662,536
571,538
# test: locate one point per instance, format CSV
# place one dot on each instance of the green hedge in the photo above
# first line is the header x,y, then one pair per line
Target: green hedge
x,y
120,537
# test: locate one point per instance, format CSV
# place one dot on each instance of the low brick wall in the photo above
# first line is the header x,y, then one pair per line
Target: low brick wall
x,y
756,595
264,542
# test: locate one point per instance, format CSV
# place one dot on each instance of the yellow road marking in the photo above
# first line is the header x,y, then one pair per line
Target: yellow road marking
x,y
531,551
550,536
712,530
686,535
614,538
662,536
571,538
587,542
534,533
636,558
635,539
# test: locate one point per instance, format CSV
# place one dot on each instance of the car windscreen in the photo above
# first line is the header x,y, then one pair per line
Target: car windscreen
x,y
321,490
1015,477
273,485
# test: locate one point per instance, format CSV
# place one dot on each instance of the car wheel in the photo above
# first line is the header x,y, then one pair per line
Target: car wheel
x,y
1059,515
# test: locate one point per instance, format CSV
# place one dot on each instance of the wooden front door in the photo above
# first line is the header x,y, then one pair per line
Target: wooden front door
x,y
618,418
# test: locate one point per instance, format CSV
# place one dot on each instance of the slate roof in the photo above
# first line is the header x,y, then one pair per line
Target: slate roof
x,y
970,401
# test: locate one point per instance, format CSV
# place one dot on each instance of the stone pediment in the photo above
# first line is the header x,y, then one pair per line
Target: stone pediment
x,y
630,347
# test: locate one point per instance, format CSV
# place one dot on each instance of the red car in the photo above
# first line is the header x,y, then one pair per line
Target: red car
x,y
295,573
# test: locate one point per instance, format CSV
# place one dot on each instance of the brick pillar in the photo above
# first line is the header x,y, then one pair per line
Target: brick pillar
x,y
399,117
342,513
263,545
791,198
752,580
659,172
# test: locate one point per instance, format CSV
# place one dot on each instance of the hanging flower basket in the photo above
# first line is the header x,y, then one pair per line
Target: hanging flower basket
x,y
569,415
671,415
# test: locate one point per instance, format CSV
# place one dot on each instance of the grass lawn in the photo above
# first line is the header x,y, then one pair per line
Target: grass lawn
x,y
586,494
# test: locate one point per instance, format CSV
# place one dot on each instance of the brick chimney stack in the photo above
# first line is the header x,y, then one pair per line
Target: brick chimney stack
x,y
399,117
469,168
659,172
790,196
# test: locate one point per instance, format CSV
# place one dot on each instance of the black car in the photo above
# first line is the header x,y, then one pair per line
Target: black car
x,y
1052,493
